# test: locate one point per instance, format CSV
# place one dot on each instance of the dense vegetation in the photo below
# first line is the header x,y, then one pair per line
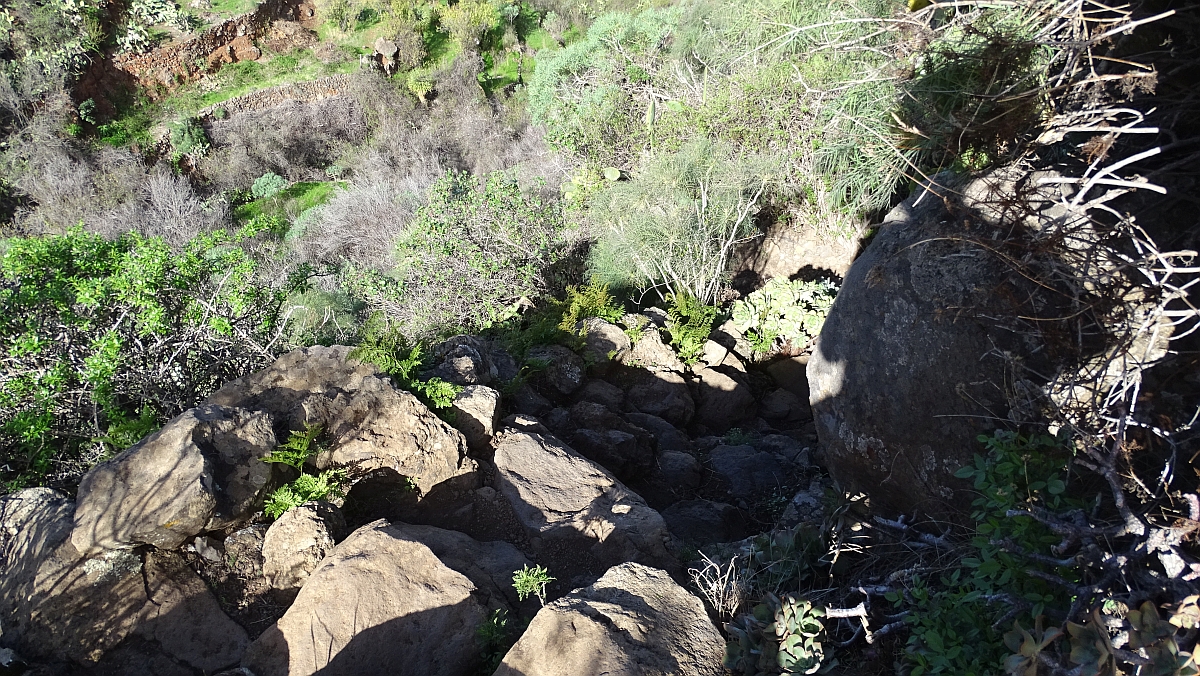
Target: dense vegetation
x,y
523,166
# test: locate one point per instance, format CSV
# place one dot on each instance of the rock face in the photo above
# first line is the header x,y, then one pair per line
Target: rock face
x,y
603,341
379,603
633,620
564,369
751,473
477,415
664,394
201,471
297,542
59,604
898,389
369,423
558,494
724,400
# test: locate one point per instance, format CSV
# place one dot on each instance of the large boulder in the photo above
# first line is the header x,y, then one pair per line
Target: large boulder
x,y
477,415
201,471
899,384
661,393
564,370
368,423
560,496
634,620
751,474
380,603
488,565
59,604
463,360
298,541
724,400
603,341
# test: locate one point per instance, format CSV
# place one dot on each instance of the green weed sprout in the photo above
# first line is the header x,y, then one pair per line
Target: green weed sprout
x,y
532,581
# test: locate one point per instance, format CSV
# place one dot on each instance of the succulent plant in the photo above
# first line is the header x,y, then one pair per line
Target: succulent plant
x,y
778,637
787,311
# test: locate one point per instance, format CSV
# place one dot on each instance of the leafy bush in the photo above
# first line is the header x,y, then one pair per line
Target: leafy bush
x,y
785,311
533,581
592,300
388,350
954,623
689,322
474,251
101,337
467,20
305,488
673,226
268,185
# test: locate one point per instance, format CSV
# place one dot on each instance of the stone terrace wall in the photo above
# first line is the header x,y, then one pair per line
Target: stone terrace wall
x,y
315,90
161,70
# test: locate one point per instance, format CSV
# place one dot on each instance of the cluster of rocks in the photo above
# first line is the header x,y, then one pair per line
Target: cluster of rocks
x,y
601,466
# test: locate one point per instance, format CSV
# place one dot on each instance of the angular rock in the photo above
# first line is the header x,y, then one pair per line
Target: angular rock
x,y
529,402
564,372
462,360
724,401
488,565
633,620
786,446
557,494
679,470
651,353
184,618
298,541
664,394
477,415
714,353
601,435
201,471
669,437
703,522
790,374
604,393
783,407
900,388
378,602
58,604
368,422
751,473
603,341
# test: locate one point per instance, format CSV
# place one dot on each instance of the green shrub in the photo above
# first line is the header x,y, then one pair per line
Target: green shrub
x,y
268,185
592,300
784,311
188,139
390,351
673,227
473,252
954,615
809,82
100,338
689,322
306,488
979,88
531,581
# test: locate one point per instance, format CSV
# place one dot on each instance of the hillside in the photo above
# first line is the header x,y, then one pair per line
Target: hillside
x,y
785,336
